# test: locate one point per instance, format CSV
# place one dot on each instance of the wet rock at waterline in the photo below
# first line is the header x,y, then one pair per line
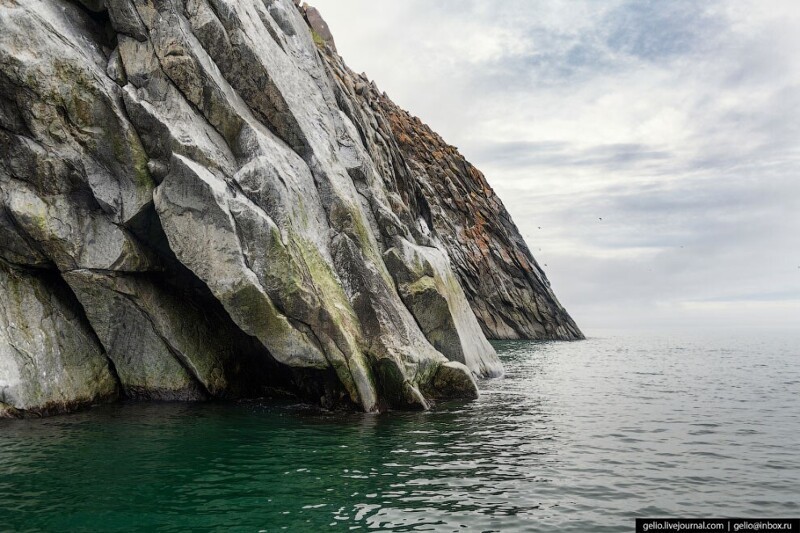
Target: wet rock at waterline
x,y
198,199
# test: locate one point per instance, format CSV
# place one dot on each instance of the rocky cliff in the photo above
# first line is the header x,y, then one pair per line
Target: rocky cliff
x,y
198,199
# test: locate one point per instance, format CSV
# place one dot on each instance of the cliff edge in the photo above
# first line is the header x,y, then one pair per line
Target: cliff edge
x,y
198,199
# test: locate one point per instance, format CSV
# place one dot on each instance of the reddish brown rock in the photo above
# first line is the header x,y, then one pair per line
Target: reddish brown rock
x,y
319,27
507,289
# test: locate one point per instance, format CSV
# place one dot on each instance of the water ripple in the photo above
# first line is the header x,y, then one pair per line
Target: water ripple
x,y
577,437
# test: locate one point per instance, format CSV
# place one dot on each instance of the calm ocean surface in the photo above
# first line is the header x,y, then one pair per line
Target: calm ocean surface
x,y
577,437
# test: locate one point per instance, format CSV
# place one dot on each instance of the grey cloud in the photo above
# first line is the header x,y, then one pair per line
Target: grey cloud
x,y
559,153
709,240
701,214
653,31
711,214
779,296
656,30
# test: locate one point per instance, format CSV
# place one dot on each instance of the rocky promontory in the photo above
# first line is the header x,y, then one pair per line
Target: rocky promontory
x,y
198,199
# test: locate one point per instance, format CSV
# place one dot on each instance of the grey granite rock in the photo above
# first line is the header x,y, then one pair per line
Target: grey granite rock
x,y
431,292
151,337
199,200
50,360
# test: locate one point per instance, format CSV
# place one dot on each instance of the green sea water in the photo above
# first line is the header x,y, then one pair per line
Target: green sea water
x,y
579,436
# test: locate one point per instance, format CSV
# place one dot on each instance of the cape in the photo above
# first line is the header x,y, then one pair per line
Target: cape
x,y
199,199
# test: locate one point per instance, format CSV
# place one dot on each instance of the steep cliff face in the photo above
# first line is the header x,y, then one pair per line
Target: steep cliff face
x,y
507,290
199,200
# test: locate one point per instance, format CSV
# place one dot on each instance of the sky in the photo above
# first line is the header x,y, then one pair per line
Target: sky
x,y
656,144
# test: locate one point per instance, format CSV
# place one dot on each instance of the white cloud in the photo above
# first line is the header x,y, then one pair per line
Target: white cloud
x,y
677,122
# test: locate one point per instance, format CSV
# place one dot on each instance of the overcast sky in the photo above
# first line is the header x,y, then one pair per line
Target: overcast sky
x,y
677,123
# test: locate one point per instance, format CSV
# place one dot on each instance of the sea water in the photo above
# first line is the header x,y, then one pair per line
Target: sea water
x,y
578,436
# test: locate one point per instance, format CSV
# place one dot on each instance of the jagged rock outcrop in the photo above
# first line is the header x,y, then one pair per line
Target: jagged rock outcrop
x,y
199,200
509,292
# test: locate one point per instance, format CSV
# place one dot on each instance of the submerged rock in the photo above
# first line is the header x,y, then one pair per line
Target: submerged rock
x,y
198,199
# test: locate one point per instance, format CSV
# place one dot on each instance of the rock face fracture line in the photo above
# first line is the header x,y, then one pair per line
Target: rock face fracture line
x,y
229,209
